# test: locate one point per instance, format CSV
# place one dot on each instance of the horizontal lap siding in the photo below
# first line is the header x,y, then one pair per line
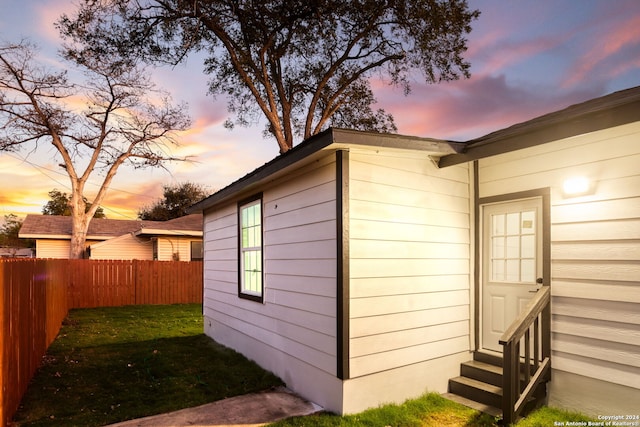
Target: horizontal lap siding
x,y
595,246
52,248
298,316
180,246
409,261
124,247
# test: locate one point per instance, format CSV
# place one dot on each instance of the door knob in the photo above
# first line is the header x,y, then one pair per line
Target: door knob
x,y
539,280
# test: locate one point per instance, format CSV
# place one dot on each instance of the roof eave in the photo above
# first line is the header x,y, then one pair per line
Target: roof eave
x,y
612,110
61,236
330,139
158,232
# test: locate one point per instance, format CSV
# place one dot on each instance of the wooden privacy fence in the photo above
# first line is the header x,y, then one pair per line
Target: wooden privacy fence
x,y
116,283
37,294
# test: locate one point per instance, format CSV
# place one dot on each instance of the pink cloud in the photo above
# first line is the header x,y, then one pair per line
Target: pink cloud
x,y
468,109
622,40
47,14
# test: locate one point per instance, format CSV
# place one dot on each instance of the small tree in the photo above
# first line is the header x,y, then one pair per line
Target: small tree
x,y
60,205
176,200
125,120
304,65
9,233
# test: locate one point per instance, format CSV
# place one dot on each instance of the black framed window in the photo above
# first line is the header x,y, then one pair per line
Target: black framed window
x,y
250,274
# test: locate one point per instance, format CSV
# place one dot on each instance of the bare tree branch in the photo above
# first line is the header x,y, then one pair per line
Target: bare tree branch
x,y
126,120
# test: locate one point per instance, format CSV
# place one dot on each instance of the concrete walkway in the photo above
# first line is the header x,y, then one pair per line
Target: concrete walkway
x,y
254,409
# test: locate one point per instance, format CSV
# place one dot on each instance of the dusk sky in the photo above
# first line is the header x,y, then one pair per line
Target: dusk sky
x,y
528,58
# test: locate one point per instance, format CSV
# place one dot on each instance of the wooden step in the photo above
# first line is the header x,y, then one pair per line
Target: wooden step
x,y
482,371
487,409
475,390
489,358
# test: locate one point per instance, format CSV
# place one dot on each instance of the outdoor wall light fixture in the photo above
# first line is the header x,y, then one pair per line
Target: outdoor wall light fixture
x,y
576,186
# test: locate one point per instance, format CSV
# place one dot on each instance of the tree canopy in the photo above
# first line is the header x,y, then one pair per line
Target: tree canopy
x,y
305,65
9,233
177,198
59,204
113,117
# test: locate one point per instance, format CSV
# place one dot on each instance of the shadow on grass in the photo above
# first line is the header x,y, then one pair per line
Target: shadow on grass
x,y
90,382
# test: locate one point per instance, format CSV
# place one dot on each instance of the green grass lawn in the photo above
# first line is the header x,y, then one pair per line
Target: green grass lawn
x,y
118,363
429,410
113,364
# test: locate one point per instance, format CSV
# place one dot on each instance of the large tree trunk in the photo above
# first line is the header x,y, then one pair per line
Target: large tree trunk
x,y
79,225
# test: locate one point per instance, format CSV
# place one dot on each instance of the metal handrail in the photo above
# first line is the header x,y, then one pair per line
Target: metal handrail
x,y
515,393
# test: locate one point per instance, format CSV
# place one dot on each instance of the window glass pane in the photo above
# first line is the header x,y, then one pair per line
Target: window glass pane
x,y
251,226
252,271
255,232
513,247
197,252
528,246
528,273
498,225
513,223
498,247
513,270
245,216
528,222
497,270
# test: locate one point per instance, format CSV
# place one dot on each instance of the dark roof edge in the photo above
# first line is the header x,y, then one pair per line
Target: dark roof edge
x,y
611,110
321,141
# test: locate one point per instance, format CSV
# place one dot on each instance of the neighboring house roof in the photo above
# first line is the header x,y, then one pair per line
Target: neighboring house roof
x,y
59,227
188,225
611,110
330,139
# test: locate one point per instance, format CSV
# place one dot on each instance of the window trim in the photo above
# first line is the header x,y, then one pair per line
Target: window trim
x,y
255,199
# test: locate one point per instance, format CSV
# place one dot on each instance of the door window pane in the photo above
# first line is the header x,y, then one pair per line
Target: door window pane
x,y
528,222
498,247
513,223
498,225
528,271
513,247
528,246
513,270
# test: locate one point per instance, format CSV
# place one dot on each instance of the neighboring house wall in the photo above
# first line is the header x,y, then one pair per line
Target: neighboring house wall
x,y
52,248
594,261
130,246
292,334
126,246
409,246
180,246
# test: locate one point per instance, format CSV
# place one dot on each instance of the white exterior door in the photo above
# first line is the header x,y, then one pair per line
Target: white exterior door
x,y
511,263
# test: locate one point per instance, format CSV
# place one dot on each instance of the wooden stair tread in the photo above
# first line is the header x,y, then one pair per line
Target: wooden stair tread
x,y
478,385
487,409
484,366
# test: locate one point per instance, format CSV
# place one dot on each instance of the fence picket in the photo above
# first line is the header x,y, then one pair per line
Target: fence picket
x,y
37,294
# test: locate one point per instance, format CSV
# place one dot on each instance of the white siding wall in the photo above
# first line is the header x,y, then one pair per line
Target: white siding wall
x,y
595,246
410,262
293,333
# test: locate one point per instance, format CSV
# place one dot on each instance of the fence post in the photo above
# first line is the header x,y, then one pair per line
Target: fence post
x,y
3,368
